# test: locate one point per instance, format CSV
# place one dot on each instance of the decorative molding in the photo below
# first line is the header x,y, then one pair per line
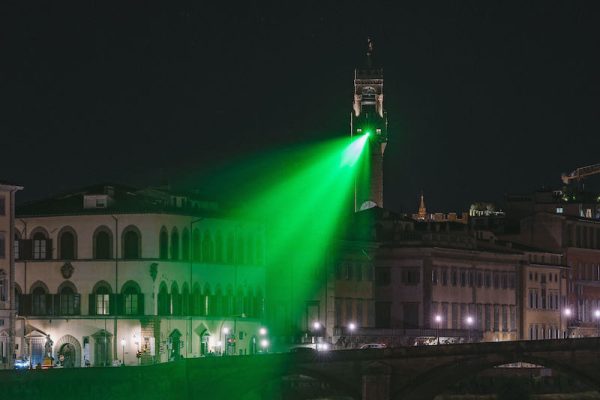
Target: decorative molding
x,y
67,270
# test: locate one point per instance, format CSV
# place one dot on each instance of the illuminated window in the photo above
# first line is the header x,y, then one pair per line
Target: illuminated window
x,y
559,210
39,246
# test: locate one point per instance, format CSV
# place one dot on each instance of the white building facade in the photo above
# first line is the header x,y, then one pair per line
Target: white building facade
x,y
7,274
112,275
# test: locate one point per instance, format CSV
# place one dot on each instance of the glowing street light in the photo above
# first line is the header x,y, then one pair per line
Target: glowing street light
x,y
469,320
316,325
123,354
262,331
264,344
568,312
438,320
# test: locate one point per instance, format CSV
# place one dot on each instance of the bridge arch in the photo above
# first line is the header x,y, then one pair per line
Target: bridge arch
x,y
434,381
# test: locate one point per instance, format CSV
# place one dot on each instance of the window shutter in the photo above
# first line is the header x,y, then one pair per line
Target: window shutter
x,y
25,304
120,304
112,304
49,304
77,304
49,249
141,304
92,304
25,249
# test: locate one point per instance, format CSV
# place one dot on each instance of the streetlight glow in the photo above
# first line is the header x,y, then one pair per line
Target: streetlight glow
x,y
352,326
262,331
264,343
438,318
317,325
226,330
469,320
568,312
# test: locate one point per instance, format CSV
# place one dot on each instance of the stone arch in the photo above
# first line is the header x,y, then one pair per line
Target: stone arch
x,y
131,283
68,340
431,382
39,229
67,284
38,284
100,284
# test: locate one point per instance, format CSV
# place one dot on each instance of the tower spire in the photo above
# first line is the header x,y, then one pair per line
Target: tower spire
x,y
422,215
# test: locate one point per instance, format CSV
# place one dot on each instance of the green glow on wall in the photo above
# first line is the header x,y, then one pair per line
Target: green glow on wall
x,y
303,209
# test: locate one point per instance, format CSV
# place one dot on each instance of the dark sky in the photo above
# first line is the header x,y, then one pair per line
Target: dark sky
x,y
483,98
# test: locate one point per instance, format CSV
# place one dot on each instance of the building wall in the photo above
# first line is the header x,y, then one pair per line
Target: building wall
x,y
452,283
230,286
7,273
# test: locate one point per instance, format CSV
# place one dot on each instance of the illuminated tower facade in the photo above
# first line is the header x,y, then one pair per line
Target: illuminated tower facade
x,y
369,117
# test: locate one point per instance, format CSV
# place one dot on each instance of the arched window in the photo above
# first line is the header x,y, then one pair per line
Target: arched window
x,y
41,246
175,299
38,301
16,247
251,258
239,250
175,244
260,251
68,299
230,248
228,302
198,301
18,303
185,245
3,286
219,247
163,246
196,245
133,299
131,243
102,243
100,303
163,300
207,248
185,300
67,243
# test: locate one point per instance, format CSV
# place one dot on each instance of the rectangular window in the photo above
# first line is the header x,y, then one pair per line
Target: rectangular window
x,y
496,280
542,278
383,276
2,245
359,276
453,277
513,318
488,279
445,276
39,249
131,304
480,317
411,276
455,317
496,317
479,279
504,281
488,317
463,278
2,205
434,276
470,278
445,321
543,299
505,318
348,272
102,303
511,280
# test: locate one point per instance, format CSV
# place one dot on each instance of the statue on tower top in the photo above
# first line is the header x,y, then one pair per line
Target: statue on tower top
x,y
369,52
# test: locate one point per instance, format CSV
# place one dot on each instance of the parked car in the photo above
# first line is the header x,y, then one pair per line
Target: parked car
x,y
303,350
373,346
22,363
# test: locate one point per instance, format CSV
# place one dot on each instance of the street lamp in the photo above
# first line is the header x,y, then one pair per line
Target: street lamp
x,y
351,328
264,343
567,311
262,331
123,346
438,320
597,315
469,320
225,331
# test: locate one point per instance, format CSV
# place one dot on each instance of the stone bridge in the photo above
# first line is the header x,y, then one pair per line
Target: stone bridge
x,y
399,373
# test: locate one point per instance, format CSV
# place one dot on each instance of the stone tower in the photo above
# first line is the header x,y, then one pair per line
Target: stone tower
x,y
368,116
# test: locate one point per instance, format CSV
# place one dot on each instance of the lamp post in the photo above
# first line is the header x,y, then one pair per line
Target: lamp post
x,y
469,320
123,353
438,320
351,328
597,315
567,311
226,333
264,343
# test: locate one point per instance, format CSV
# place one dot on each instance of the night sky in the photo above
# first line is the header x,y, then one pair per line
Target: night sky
x,y
483,98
